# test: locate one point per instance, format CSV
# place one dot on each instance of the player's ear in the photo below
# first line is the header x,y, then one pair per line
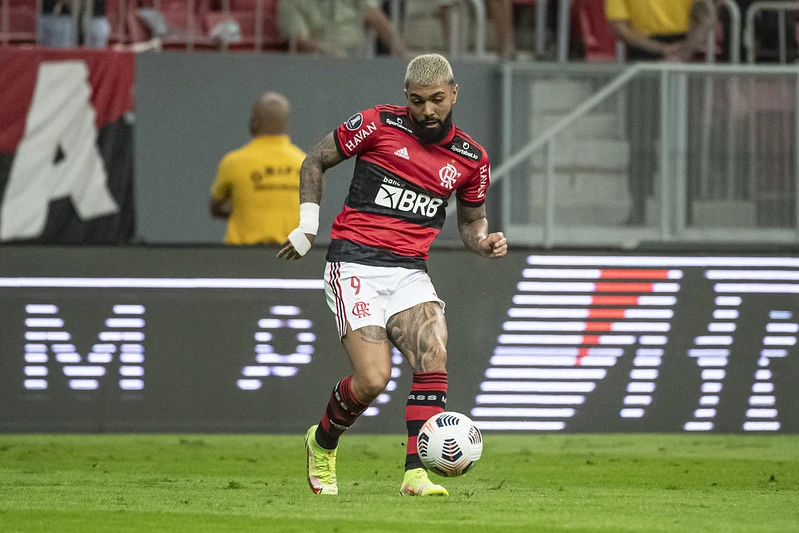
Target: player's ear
x,y
455,93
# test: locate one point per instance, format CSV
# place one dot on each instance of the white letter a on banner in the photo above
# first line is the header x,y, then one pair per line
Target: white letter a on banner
x,y
61,116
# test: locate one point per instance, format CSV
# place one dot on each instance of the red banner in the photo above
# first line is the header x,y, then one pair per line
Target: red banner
x,y
65,145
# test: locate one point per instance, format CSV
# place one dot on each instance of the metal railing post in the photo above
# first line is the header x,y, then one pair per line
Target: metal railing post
x,y
226,11
665,160
782,38
540,27
682,204
564,21
454,32
506,137
796,163
549,196
749,30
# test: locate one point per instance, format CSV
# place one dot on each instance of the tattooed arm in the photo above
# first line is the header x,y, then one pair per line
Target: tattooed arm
x,y
324,155
473,227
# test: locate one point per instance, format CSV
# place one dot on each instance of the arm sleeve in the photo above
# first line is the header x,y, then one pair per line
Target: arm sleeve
x,y
357,134
224,180
473,192
617,10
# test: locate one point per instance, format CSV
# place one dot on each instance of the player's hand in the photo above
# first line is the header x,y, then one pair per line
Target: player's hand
x,y
287,250
494,245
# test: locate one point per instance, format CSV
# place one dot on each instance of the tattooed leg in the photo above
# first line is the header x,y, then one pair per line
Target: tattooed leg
x,y
369,351
420,334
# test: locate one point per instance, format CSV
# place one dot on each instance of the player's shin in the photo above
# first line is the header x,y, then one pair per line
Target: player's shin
x,y
428,397
342,410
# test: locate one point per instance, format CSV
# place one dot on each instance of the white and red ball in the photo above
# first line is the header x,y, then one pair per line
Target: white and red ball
x,y
449,444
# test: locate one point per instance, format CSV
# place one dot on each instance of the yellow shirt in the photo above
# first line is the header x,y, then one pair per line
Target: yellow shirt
x,y
262,180
652,17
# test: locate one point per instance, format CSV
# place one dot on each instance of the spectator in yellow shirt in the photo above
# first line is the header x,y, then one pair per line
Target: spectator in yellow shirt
x,y
653,30
257,186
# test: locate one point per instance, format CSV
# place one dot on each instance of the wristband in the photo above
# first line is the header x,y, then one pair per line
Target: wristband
x,y
309,217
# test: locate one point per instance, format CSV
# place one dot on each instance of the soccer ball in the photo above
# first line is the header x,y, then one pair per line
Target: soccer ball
x,y
449,444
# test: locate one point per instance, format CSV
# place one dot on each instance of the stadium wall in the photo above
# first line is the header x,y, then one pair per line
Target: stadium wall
x,y
213,339
193,108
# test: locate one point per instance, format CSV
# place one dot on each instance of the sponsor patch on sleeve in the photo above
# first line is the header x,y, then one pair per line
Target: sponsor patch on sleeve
x,y
465,148
354,122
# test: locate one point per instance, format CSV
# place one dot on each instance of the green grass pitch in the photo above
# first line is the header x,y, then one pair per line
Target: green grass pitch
x,y
530,483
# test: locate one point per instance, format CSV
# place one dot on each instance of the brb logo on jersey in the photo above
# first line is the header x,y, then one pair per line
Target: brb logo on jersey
x,y
448,175
392,195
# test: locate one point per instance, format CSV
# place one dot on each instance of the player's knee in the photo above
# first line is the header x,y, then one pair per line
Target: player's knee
x,y
371,384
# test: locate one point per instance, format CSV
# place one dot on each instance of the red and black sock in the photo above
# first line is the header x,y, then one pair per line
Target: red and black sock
x,y
428,397
343,409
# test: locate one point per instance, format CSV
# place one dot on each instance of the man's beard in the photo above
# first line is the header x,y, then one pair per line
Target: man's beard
x,y
427,135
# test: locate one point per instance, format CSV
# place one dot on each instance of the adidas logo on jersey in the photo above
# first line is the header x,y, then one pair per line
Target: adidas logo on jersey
x,y
403,153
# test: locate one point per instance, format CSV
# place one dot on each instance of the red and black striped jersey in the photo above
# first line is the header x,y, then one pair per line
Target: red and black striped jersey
x,y
400,187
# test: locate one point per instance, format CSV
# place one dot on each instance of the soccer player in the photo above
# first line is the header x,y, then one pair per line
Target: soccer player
x,y
410,160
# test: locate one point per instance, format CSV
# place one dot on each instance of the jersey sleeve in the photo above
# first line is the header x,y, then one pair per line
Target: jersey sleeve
x,y
224,180
357,134
617,10
473,192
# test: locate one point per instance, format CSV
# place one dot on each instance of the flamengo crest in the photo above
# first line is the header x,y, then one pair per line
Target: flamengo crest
x,y
448,175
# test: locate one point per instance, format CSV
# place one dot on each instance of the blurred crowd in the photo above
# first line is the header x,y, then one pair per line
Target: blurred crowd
x,y
381,27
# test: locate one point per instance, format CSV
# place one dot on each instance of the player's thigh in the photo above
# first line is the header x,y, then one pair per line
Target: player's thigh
x,y
369,351
420,334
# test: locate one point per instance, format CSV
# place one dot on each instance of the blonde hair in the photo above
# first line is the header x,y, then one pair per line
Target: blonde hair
x,y
428,69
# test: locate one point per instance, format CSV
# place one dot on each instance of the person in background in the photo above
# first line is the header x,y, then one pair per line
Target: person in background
x,y
653,30
500,14
57,28
409,161
257,186
336,27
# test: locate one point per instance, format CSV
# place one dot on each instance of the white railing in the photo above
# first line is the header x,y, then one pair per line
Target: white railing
x,y
672,187
750,29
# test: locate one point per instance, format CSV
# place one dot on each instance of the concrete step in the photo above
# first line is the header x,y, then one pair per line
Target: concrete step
x,y
596,125
592,215
724,213
592,155
582,189
558,95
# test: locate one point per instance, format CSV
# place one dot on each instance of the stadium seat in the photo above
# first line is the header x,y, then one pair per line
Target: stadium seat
x,y
21,23
243,12
182,31
591,26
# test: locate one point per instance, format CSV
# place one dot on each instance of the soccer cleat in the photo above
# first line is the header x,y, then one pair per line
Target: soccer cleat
x,y
416,483
320,466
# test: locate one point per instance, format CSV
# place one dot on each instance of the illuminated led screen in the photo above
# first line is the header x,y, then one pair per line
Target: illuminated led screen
x,y
195,340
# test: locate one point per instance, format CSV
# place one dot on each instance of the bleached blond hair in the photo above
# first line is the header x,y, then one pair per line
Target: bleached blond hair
x,y
428,69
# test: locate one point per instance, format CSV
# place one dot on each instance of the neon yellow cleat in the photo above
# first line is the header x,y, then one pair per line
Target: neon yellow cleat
x,y
320,466
416,483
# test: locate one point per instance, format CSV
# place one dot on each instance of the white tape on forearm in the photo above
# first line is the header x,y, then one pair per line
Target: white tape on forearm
x,y
299,241
309,223
309,217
